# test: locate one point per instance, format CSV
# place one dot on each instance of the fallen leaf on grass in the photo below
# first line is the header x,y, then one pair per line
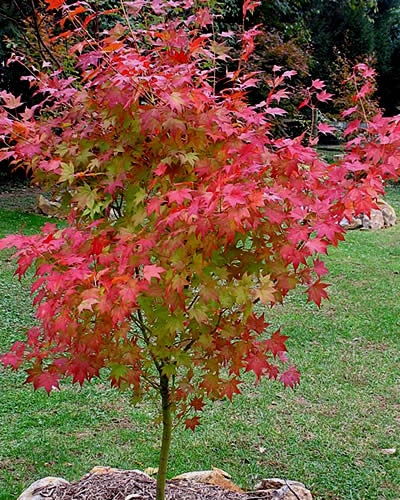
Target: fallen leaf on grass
x,y
389,451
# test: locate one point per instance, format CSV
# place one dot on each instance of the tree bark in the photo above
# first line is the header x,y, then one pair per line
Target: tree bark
x,y
166,437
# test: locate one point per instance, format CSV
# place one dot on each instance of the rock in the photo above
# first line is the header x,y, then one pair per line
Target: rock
x,y
276,483
100,469
374,221
274,488
355,223
30,493
151,471
217,477
389,215
384,216
47,207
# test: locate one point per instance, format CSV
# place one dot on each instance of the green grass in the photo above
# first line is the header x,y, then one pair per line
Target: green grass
x,y
328,433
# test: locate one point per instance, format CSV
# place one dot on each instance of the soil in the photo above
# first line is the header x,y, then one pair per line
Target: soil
x,y
136,486
18,195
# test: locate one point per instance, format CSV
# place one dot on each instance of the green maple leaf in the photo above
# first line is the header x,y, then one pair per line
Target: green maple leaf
x,y
199,313
169,369
86,197
117,371
67,172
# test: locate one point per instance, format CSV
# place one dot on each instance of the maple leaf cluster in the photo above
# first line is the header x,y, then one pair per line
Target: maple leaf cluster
x,y
187,218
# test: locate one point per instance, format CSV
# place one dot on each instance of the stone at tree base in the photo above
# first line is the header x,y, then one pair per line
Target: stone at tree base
x,y
151,471
101,469
46,482
275,488
217,477
101,480
276,483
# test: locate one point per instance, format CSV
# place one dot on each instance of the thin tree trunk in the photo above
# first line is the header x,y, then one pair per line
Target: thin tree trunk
x,y
166,437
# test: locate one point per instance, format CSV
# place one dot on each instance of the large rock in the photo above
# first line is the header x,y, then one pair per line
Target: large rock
x,y
33,492
383,216
388,213
280,489
47,207
217,477
374,221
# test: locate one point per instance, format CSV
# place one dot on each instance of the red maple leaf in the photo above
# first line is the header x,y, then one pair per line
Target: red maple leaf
x,y
192,423
257,324
320,268
152,271
250,5
257,362
276,343
48,380
317,245
290,377
275,111
304,103
324,96
352,127
179,196
316,292
197,403
55,4
87,304
272,371
229,388
324,128
10,102
349,111
317,84
11,359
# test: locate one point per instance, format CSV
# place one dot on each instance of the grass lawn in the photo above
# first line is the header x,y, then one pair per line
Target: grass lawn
x,y
328,433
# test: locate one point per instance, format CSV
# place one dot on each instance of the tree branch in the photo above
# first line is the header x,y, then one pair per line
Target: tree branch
x,y
188,346
40,40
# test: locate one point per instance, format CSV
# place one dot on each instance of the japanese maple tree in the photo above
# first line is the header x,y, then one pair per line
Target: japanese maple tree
x,y
186,219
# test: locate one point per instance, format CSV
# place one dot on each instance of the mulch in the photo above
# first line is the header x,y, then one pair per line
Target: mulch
x,y
119,485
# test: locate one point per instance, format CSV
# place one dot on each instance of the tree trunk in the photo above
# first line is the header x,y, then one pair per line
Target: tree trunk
x,y
166,437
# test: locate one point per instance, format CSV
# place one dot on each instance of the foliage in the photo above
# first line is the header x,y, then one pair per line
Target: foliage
x,y
337,27
387,48
327,31
357,31
346,82
185,213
